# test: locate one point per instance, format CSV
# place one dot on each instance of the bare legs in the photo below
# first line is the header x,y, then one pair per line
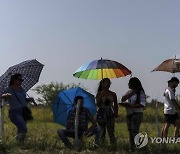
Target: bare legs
x,y
164,131
165,128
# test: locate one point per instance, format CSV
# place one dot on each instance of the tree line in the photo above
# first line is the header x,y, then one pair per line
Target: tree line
x,y
49,92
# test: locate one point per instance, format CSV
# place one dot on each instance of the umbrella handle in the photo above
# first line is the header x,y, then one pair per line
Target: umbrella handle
x,y
33,101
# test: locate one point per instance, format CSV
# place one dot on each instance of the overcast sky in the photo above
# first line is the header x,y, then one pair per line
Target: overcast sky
x,y
65,34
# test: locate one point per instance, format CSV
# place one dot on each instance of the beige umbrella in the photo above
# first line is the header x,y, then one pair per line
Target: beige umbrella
x,y
169,65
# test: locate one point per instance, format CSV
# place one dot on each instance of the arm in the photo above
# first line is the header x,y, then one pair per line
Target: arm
x,y
69,125
5,97
127,95
142,101
70,120
176,105
125,104
94,124
136,106
171,96
99,100
115,105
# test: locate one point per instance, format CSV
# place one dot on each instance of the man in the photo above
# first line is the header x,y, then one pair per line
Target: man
x,y
83,130
171,107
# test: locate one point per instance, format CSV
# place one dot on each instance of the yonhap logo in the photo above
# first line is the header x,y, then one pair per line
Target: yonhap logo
x,y
141,140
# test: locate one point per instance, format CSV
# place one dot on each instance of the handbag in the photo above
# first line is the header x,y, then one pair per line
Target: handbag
x,y
26,112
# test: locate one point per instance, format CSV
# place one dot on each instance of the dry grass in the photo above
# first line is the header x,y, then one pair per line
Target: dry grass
x,y
42,136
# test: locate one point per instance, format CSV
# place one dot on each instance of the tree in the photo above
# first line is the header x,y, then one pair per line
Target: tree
x,y
50,91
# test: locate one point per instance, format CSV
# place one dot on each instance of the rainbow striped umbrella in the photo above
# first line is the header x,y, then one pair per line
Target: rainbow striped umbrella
x,y
102,68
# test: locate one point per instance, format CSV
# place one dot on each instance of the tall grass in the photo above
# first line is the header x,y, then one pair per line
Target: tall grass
x,y
42,135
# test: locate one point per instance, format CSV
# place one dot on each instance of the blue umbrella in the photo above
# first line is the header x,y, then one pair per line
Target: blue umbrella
x,y
64,103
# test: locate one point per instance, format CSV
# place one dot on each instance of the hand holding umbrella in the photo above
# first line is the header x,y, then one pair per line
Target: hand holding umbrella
x,y
6,95
31,99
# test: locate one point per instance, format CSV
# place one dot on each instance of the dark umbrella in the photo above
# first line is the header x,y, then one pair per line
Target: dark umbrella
x,y
30,70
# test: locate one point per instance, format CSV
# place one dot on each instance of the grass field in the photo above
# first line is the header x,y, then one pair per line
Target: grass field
x,y
42,136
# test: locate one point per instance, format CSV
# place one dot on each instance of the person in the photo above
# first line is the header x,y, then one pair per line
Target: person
x,y
16,97
136,102
83,130
171,107
108,110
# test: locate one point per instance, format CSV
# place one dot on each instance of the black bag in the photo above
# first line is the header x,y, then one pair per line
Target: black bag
x,y
101,116
27,114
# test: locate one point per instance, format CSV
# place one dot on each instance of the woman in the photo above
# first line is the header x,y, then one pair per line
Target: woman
x,y
108,109
16,97
136,101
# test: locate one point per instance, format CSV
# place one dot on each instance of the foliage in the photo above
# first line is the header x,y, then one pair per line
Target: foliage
x,y
49,92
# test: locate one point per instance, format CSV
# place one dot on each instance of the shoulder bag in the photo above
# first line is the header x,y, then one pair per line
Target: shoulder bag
x,y
27,114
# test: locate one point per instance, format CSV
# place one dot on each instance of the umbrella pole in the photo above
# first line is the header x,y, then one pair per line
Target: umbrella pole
x,y
101,69
76,142
2,119
174,67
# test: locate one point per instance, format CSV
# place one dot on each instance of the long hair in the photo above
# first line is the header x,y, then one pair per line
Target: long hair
x,y
14,77
101,84
135,84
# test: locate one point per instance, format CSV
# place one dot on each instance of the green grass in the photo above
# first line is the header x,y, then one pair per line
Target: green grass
x,y
42,136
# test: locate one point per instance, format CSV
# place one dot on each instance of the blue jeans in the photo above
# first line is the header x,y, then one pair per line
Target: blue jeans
x,y
17,119
64,134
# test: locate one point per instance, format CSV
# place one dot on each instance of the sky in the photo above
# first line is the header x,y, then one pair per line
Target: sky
x,y
65,34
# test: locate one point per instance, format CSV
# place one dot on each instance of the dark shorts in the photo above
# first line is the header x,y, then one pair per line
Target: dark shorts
x,y
171,118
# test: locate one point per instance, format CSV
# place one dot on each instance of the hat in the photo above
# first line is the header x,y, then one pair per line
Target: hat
x,y
174,79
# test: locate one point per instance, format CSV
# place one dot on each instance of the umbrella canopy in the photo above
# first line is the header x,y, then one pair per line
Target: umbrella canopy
x,y
169,65
64,103
30,71
102,68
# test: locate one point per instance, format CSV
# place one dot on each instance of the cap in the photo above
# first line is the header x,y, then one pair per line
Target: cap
x,y
174,79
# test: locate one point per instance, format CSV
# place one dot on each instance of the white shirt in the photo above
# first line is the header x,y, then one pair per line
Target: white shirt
x,y
132,100
169,108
